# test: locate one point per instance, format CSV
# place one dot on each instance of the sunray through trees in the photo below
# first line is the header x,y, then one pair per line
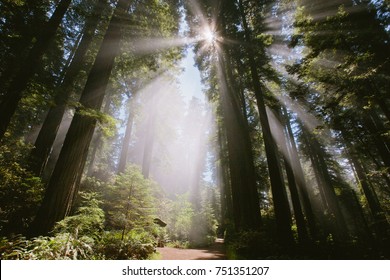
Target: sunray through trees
x,y
287,155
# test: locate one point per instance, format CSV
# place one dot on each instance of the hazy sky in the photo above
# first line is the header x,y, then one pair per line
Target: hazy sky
x,y
190,83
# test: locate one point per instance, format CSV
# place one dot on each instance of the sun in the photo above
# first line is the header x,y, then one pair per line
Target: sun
x,y
209,36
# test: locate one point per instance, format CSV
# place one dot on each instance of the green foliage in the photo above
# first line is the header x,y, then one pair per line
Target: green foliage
x,y
255,245
344,73
88,219
187,227
130,201
20,191
74,237
63,246
106,123
204,227
81,236
180,219
135,245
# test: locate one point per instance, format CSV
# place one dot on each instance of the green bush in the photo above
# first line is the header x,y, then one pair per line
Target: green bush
x,y
180,218
20,191
63,246
88,219
130,201
115,224
133,246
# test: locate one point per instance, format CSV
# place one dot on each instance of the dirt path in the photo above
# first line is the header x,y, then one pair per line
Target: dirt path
x,y
214,252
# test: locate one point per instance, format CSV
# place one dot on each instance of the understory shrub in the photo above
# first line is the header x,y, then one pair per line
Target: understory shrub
x,y
133,246
20,191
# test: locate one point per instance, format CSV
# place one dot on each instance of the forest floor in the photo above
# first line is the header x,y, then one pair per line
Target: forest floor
x,y
214,252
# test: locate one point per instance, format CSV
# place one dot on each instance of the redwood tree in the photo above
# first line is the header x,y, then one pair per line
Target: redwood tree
x,y
66,175
48,132
14,92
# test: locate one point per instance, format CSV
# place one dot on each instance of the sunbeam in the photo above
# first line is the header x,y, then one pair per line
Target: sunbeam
x,y
310,121
144,46
240,129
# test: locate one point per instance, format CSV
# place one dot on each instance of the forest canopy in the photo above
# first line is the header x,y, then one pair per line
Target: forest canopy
x,y
286,154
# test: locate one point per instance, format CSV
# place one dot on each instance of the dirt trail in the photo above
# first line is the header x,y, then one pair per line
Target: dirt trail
x,y
214,252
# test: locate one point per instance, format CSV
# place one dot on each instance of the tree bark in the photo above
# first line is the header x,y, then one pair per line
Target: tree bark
x,y
238,101
245,200
14,94
62,185
281,205
47,134
300,178
303,236
224,182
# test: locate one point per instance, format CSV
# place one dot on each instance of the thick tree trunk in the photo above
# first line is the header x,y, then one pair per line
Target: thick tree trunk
x,y
224,182
47,134
245,198
237,97
281,205
62,186
10,101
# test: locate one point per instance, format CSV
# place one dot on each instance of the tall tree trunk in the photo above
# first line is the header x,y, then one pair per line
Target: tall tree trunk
x,y
224,182
14,94
72,52
62,185
245,198
300,177
303,236
328,195
381,225
281,205
126,141
47,134
237,97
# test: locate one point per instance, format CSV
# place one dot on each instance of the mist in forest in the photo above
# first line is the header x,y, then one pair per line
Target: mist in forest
x,y
170,137
112,144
